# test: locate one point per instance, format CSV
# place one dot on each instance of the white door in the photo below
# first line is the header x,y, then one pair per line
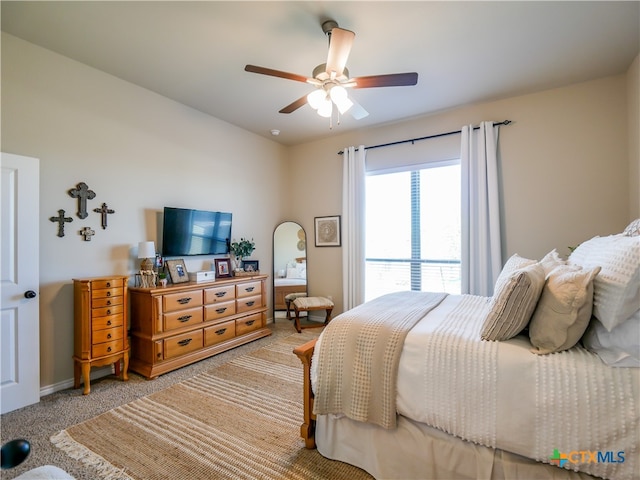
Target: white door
x,y
19,280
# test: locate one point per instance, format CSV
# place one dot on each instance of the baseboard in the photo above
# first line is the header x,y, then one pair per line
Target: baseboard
x,y
63,385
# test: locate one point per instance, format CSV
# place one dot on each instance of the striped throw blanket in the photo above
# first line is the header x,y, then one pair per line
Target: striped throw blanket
x,y
359,356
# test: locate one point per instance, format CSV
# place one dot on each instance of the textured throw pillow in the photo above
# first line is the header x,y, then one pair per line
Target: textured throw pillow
x,y
513,303
513,264
550,261
633,229
564,309
616,289
618,348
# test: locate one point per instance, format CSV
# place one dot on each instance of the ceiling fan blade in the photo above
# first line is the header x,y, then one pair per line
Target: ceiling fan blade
x,y
275,73
292,107
340,44
390,80
357,111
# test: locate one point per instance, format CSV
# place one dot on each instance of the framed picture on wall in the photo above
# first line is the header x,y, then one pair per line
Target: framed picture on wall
x,y
177,271
223,267
327,231
250,266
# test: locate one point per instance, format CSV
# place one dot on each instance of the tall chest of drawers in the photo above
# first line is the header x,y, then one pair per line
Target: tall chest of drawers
x,y
183,323
100,326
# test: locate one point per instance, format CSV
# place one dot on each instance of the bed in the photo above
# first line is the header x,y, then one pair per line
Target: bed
x,y
539,381
294,281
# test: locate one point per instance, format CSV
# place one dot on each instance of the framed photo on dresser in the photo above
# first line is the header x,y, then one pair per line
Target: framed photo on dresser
x,y
223,267
177,271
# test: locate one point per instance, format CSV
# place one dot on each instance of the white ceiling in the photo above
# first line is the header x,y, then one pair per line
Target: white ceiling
x,y
464,52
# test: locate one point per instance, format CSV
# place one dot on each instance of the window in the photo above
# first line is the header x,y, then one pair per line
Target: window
x,y
413,230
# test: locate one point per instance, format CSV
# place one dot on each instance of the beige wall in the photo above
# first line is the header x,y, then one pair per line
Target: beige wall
x,y
633,93
139,152
565,163
564,167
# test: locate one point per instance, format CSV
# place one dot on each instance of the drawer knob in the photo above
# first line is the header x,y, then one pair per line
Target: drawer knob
x,y
249,289
184,318
221,294
108,349
108,284
185,342
250,304
108,312
250,322
221,310
108,322
108,302
221,331
109,336
108,294
184,300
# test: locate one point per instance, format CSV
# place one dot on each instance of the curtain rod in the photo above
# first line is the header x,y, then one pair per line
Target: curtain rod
x,y
411,140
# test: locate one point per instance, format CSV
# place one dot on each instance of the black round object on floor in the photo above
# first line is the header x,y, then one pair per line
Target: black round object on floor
x,y
14,453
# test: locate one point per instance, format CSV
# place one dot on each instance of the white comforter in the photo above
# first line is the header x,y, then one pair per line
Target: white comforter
x,y
501,395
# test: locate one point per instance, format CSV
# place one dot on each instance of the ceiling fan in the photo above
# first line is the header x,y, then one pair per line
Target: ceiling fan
x,y
331,79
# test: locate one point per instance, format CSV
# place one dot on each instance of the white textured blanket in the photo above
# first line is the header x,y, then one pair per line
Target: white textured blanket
x,y
359,356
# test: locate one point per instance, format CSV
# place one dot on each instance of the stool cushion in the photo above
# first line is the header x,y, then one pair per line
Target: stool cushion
x,y
292,296
305,303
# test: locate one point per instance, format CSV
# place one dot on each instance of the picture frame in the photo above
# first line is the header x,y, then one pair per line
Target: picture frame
x,y
327,231
177,270
250,266
223,267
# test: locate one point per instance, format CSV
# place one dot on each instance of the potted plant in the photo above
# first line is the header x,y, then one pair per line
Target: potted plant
x,y
240,250
162,279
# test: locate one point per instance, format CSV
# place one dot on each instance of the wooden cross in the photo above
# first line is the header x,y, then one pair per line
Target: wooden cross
x,y
87,233
82,193
61,219
104,211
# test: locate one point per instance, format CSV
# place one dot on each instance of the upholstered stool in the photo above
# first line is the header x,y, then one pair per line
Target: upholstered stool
x,y
290,298
307,304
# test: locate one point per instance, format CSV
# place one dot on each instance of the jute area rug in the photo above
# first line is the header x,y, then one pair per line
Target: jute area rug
x,y
238,421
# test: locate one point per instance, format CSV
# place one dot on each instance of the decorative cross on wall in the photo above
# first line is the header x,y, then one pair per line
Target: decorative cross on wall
x,y
104,210
82,193
87,233
61,219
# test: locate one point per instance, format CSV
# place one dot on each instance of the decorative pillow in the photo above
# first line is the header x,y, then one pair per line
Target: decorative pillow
x,y
513,303
292,272
633,229
618,348
616,289
564,309
550,261
514,263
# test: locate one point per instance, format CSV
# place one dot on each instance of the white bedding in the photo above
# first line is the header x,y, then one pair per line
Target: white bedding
x,y
279,282
501,395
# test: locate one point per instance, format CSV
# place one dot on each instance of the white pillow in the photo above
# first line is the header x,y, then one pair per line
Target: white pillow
x,y
618,348
550,261
513,303
514,263
292,272
633,229
564,309
616,294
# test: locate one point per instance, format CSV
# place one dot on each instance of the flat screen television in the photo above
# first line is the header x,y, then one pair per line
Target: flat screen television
x,y
195,232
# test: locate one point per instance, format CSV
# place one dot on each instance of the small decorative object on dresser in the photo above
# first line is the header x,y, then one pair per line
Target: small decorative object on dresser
x,y
100,326
240,250
223,267
178,271
174,326
250,266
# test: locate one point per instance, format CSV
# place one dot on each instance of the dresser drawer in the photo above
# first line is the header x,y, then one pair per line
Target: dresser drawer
x,y
100,323
107,335
248,324
107,348
107,301
180,301
190,316
219,294
248,303
219,333
182,344
106,311
219,310
249,289
106,292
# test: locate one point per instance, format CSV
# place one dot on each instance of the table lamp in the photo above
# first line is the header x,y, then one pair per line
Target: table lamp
x,y
146,251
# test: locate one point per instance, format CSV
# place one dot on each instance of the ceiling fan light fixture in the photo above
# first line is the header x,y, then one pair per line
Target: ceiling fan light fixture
x,y
316,98
340,97
326,108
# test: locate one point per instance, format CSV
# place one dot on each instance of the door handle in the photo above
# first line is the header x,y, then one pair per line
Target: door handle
x,y
29,294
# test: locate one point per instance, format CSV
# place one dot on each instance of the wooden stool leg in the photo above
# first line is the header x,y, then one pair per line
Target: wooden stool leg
x,y
328,317
297,319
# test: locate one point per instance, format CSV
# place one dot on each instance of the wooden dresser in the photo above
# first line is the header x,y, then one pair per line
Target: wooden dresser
x,y
183,323
100,326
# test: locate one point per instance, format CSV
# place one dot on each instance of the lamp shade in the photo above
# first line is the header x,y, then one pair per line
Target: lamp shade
x,y
146,249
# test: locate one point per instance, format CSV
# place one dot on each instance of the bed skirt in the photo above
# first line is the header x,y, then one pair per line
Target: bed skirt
x,y
416,451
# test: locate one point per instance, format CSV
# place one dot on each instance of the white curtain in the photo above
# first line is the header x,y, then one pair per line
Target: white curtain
x,y
353,218
481,260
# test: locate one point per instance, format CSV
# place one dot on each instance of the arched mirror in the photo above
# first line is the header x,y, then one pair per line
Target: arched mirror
x,y
289,264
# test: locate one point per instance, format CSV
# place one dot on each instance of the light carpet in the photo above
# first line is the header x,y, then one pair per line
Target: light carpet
x,y
240,420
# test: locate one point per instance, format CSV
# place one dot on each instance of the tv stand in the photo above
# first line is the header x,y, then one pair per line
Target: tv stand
x,y
184,323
